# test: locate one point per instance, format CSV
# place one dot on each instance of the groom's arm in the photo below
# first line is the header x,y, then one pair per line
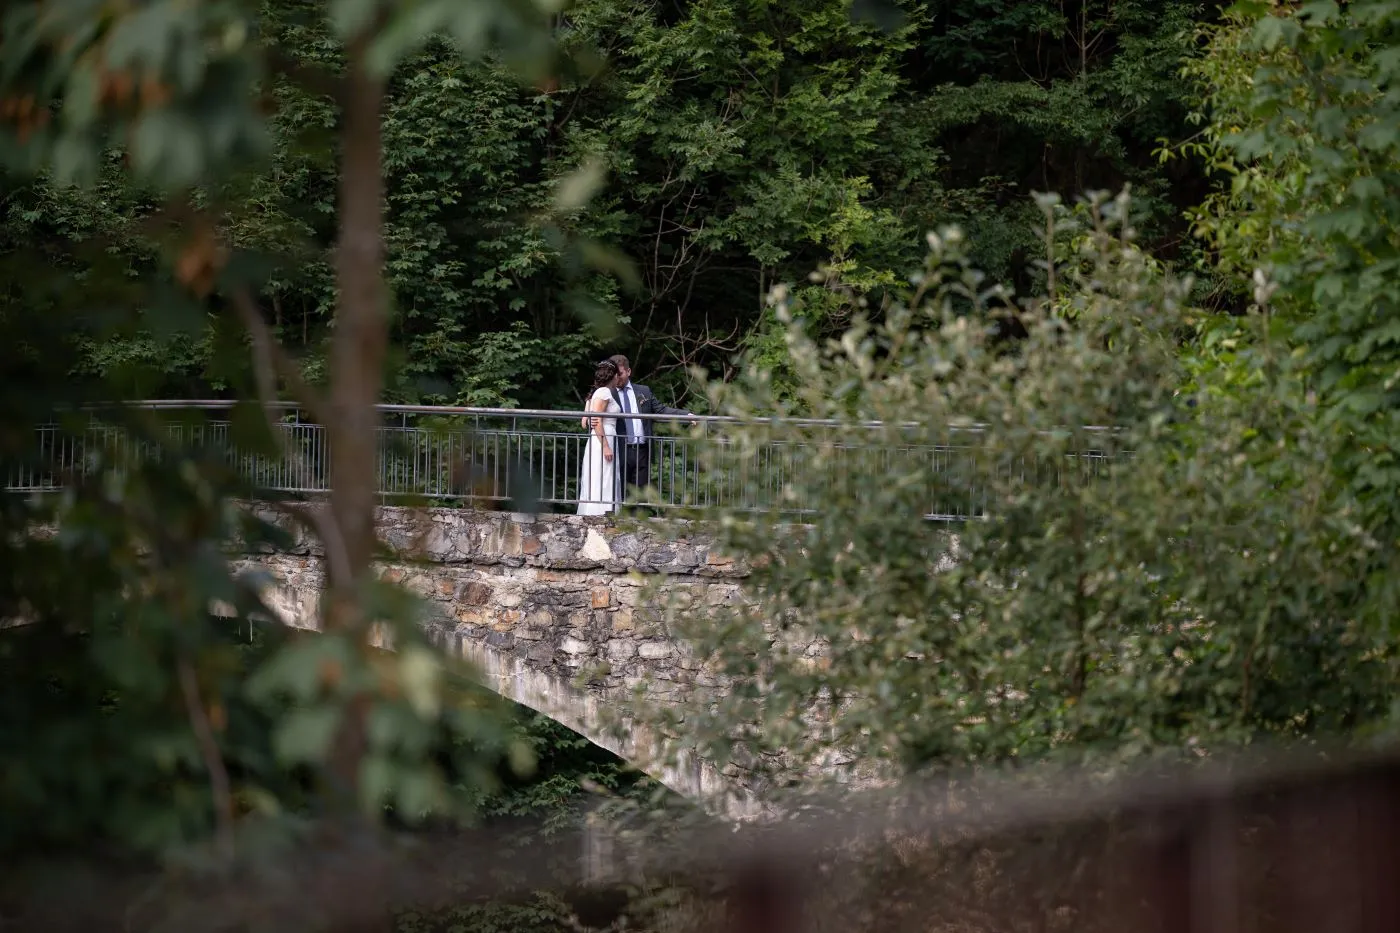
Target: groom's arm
x,y
658,409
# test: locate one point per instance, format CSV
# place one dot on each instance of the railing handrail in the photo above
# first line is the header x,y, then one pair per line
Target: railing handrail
x,y
561,415
483,454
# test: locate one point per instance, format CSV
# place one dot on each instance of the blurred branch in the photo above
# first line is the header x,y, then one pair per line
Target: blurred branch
x,y
308,77
213,759
271,361
323,524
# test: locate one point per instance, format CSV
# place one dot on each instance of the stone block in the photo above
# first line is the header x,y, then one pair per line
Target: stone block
x,y
627,546
720,595
657,556
574,646
622,619
509,599
580,619
620,649
474,593
531,545
602,597
420,584
560,548
463,540
473,615
400,540
596,547
437,544
685,556
507,618
508,540
570,599
655,650
555,576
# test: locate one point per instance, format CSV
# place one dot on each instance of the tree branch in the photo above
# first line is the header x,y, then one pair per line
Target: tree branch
x,y
213,758
323,524
270,360
307,77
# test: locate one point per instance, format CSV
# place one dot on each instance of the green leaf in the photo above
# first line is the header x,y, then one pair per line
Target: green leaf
x,y
305,734
351,17
420,675
575,190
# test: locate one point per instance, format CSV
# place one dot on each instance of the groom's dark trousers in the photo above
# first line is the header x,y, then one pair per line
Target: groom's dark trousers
x,y
635,473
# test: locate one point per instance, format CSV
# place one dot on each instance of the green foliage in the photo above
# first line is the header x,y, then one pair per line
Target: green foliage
x,y
542,913
126,699
170,80
1298,118
136,722
806,140
1201,581
567,769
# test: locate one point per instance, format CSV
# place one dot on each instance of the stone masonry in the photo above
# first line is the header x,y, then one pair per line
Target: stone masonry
x,y
558,612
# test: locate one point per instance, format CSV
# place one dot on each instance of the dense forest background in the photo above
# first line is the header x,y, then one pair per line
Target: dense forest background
x,y
745,144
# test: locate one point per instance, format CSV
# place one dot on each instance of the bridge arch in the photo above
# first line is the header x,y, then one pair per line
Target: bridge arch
x,y
533,602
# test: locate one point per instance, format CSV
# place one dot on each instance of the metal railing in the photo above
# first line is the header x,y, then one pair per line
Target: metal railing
x,y
533,460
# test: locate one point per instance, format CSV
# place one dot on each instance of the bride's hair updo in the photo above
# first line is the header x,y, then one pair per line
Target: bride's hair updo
x,y
604,374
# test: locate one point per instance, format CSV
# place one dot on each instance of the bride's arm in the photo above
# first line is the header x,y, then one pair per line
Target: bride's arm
x,y
600,404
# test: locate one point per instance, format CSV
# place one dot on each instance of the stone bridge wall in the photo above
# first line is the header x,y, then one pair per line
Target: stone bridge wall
x,y
556,611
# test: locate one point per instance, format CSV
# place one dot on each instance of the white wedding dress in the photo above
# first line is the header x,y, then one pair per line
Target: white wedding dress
x,y
597,488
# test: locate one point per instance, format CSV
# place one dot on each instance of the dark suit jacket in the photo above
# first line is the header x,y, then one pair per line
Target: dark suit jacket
x,y
646,405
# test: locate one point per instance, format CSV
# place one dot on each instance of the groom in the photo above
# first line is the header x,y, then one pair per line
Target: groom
x,y
635,471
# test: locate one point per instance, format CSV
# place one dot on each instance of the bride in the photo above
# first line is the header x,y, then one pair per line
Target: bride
x,y
597,488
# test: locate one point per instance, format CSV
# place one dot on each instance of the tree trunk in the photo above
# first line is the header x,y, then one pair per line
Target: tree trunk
x,y
357,371
357,356
361,336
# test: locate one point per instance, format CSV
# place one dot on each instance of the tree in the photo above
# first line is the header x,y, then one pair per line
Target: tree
x,y
807,140
1300,127
1188,579
136,665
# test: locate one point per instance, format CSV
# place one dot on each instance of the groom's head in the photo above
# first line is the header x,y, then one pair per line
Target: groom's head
x,y
623,367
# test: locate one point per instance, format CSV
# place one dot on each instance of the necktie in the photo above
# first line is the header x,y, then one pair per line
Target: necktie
x,y
634,429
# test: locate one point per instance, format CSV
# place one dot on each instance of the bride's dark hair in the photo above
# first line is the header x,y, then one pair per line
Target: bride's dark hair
x,y
604,374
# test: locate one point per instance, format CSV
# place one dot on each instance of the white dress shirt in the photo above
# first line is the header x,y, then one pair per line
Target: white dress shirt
x,y
635,434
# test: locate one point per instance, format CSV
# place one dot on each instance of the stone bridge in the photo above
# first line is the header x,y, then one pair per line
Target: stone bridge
x,y
559,613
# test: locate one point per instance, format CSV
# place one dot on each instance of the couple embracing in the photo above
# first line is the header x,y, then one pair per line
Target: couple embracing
x,y
619,448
